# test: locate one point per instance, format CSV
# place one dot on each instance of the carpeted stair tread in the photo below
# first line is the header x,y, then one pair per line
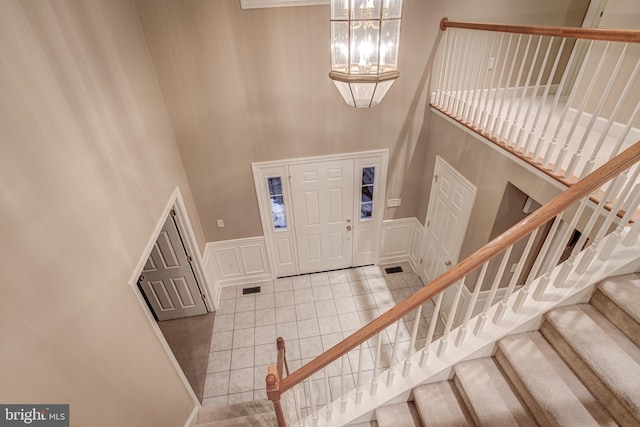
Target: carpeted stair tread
x,y
552,392
254,407
617,299
602,356
488,395
263,419
398,415
440,405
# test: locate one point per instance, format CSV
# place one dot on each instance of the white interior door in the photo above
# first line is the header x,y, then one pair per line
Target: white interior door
x,y
323,206
167,279
450,204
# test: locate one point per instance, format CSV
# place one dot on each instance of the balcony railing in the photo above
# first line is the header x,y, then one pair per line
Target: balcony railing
x,y
564,99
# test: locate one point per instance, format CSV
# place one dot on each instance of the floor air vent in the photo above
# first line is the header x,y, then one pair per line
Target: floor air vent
x,y
393,270
254,290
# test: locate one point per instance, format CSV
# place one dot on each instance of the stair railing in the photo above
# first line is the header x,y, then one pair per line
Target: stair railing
x,y
529,90
395,347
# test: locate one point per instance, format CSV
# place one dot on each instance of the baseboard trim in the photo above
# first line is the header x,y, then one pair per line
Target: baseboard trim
x,y
193,418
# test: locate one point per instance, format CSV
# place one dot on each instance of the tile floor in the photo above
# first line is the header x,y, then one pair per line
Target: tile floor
x,y
312,313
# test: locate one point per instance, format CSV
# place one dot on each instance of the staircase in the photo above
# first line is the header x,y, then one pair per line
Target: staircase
x,y
258,413
581,368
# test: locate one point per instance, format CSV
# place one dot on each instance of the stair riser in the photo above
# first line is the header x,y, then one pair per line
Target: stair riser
x,y
609,309
597,387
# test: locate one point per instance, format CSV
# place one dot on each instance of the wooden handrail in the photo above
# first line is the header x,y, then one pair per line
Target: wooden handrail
x,y
282,357
560,203
274,391
628,36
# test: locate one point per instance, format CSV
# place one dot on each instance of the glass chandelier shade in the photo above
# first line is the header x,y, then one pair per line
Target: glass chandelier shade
x,y
365,36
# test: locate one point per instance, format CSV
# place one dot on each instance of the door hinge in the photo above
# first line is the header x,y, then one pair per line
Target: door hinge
x,y
141,278
435,177
189,258
172,212
428,223
204,297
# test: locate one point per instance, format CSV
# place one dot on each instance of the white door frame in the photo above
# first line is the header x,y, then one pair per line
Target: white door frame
x,y
262,170
184,225
440,162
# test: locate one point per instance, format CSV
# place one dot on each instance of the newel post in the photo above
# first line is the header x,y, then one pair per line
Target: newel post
x,y
273,394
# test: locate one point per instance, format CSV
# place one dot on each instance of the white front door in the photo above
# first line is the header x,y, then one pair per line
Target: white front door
x,y
167,279
450,204
323,206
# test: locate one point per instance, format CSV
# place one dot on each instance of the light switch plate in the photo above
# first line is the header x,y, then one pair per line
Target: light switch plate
x,y
392,203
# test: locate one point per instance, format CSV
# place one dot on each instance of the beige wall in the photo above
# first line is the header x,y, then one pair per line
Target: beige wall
x,y
88,164
252,85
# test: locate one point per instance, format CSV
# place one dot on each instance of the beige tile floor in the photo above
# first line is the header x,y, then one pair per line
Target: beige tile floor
x,y
312,313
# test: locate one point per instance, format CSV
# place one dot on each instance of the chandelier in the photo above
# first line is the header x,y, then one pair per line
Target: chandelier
x,y
364,49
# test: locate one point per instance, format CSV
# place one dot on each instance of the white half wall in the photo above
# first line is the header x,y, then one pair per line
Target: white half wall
x,y
236,262
401,241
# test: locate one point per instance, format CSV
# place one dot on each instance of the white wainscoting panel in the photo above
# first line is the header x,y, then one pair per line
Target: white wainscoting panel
x,y
401,241
236,262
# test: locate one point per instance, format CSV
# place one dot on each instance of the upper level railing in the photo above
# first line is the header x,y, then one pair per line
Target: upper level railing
x,y
418,331
563,99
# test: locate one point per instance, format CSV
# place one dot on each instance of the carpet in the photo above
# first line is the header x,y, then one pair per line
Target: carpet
x,y
189,339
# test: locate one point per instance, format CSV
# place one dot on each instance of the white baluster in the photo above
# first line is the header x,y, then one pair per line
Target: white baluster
x,y
376,365
462,331
394,354
567,266
588,167
630,210
551,236
495,126
576,120
312,401
547,88
432,327
452,314
456,55
412,343
536,88
603,97
485,114
491,118
563,81
343,392
590,252
524,292
632,119
327,393
465,110
481,77
505,122
459,74
359,377
563,115
504,304
560,248
440,88
482,319
632,236
296,400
